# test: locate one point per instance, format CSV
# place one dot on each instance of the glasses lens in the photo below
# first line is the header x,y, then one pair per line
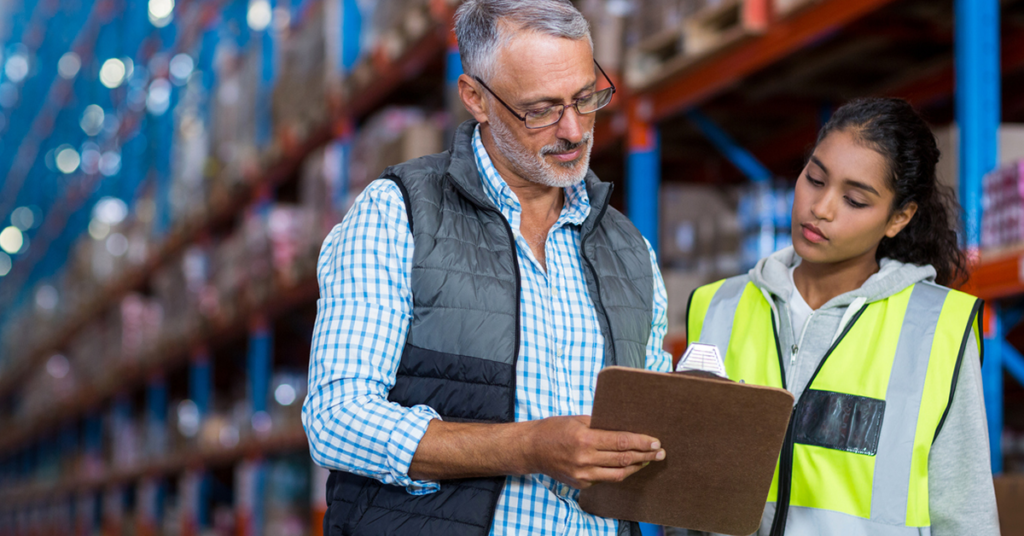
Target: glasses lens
x,y
595,101
543,118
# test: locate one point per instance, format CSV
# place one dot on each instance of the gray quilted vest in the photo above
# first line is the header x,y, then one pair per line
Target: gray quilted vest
x,y
463,344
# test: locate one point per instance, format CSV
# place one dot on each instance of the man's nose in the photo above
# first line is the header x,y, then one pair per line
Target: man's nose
x,y
569,127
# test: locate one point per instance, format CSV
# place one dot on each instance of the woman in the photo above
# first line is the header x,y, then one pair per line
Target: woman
x,y
888,435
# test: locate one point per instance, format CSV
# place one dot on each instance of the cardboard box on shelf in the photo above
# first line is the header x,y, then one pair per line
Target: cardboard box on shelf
x,y
189,196
1002,220
1011,149
258,257
1009,497
230,276
299,100
607,27
787,8
292,234
232,112
698,230
393,136
323,192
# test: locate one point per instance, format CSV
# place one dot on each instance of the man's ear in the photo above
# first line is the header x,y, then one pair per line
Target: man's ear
x,y
472,98
900,219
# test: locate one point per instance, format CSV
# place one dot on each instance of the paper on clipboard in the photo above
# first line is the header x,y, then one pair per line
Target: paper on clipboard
x,y
722,441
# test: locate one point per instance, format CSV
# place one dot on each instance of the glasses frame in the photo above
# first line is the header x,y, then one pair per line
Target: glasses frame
x,y
575,104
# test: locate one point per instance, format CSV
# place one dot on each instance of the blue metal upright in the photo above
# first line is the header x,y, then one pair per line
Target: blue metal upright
x,y
200,384
201,391
978,105
643,178
259,361
978,110
156,417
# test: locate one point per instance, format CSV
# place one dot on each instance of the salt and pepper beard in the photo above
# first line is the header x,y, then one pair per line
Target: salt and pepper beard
x,y
533,167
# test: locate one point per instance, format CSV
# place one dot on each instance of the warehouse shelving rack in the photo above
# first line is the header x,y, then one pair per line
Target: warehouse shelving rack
x,y
645,120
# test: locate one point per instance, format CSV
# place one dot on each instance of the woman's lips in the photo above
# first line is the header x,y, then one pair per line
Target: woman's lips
x,y
813,234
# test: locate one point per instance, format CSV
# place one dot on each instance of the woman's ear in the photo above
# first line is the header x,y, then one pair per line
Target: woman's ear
x,y
900,219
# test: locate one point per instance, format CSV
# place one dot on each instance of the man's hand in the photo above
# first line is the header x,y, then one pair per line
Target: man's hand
x,y
564,448
568,450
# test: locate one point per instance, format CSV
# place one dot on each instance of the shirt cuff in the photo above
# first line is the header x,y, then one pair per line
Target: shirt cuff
x,y
405,439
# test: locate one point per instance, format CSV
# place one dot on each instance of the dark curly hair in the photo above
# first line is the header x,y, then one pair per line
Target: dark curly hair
x,y
897,132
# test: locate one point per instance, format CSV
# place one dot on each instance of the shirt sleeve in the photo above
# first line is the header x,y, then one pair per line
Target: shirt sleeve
x,y
658,359
362,321
961,496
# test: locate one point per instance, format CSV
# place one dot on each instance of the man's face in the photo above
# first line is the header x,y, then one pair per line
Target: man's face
x,y
535,71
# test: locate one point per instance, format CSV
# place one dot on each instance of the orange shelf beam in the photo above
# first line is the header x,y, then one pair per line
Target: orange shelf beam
x,y
999,278
780,39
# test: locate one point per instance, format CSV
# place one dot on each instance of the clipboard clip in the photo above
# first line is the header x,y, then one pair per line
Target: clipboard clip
x,y
702,357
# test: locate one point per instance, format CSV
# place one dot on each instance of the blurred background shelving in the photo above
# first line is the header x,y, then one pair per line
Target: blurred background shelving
x,y
171,169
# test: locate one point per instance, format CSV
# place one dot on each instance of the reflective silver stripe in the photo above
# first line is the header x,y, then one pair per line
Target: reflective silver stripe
x,y
718,321
803,521
903,403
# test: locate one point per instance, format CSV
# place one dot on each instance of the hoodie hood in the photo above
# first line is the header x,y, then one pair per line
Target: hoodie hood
x,y
771,275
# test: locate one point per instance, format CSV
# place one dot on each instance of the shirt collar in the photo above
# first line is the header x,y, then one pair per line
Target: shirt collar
x,y
577,201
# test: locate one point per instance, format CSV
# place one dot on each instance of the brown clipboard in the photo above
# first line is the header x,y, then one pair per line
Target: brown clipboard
x,y
722,440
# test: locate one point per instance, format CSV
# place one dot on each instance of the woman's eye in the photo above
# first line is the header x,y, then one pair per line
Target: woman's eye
x,y
814,181
855,204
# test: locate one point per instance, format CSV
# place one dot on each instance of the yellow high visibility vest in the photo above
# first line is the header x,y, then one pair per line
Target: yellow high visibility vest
x,y
855,459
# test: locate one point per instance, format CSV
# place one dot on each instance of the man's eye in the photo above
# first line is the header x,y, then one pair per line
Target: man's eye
x,y
542,113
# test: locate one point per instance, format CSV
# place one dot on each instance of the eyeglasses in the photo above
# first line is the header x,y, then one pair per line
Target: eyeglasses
x,y
549,115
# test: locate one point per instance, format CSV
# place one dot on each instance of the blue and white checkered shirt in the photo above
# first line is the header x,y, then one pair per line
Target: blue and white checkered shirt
x,y
363,317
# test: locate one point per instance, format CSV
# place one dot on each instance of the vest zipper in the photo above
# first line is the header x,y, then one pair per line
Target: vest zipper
x,y
786,457
519,286
597,281
796,347
519,298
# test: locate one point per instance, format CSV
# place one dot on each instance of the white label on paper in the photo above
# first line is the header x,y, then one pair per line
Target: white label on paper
x,y
704,357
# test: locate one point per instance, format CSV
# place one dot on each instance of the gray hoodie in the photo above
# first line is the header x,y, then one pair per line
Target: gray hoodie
x,y
960,492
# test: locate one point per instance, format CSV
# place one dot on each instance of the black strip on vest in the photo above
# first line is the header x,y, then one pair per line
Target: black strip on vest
x,y
839,421
456,386
689,307
960,359
405,197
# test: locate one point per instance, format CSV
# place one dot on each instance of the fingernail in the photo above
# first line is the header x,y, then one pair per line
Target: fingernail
x,y
656,445
660,455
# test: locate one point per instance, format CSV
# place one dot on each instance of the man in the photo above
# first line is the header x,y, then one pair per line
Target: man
x,y
469,299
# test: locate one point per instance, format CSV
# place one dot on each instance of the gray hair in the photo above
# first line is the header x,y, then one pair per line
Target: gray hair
x,y
482,27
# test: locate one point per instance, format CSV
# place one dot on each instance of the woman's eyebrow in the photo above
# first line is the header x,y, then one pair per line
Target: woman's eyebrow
x,y
849,182
819,164
862,186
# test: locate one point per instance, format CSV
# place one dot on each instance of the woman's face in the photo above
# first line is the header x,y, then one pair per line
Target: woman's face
x,y
842,206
